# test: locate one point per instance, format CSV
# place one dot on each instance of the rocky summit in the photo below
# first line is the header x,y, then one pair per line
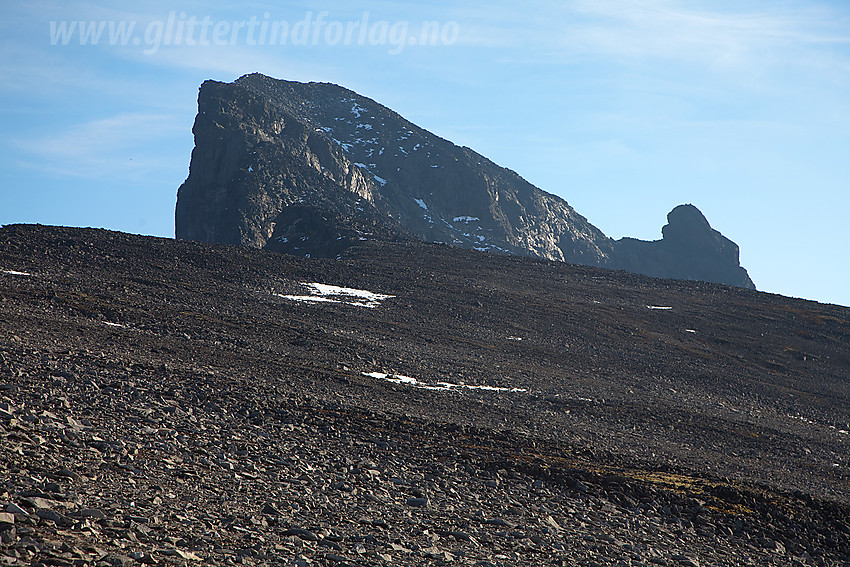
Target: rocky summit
x,y
309,169
689,249
169,402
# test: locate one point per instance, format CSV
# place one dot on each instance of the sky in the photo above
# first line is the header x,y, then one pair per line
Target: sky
x,y
624,108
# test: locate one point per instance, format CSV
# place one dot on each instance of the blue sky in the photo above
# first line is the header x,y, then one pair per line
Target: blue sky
x,y
624,108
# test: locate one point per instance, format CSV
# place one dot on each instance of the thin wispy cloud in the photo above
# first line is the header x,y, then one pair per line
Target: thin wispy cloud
x,y
666,30
635,28
102,149
232,62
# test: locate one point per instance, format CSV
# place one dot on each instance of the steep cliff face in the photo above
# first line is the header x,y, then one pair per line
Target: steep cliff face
x,y
253,162
310,168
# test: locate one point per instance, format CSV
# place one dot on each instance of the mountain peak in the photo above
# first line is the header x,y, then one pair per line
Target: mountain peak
x,y
686,216
272,154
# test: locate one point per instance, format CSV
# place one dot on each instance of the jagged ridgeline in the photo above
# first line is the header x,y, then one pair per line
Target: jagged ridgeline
x,y
311,168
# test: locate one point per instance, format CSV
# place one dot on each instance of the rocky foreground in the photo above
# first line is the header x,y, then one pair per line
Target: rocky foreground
x,y
167,402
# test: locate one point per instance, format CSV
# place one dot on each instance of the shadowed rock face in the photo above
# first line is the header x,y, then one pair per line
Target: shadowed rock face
x,y
689,249
273,157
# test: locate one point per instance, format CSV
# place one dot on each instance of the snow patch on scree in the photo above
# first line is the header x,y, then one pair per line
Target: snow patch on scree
x,y
323,293
440,386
